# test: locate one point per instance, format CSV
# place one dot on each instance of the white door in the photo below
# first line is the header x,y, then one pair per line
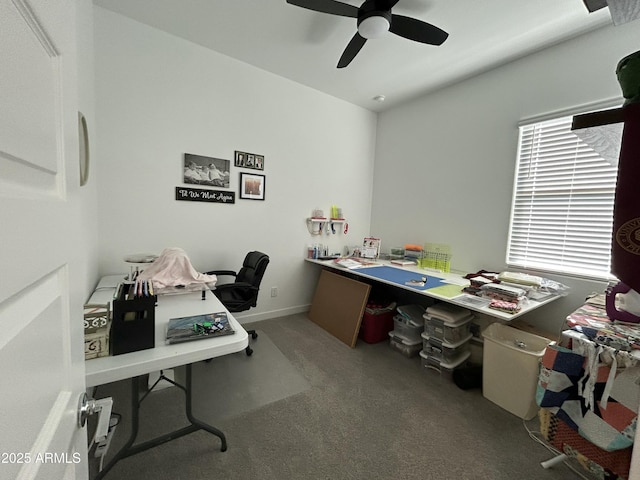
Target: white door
x,y
41,345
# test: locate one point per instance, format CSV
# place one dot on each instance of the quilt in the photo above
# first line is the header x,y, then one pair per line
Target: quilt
x,y
598,400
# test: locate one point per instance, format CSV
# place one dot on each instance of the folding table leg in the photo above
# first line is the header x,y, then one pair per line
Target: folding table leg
x,y
130,449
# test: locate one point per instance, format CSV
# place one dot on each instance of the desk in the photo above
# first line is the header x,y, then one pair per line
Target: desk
x,y
396,276
134,365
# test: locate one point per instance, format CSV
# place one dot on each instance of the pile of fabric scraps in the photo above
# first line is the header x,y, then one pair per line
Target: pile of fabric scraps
x,y
509,291
504,297
504,306
535,285
478,279
592,321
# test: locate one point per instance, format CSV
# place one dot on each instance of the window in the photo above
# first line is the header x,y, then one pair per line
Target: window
x,y
562,211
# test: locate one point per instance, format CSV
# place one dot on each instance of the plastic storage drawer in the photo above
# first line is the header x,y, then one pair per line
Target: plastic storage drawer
x,y
409,348
445,352
448,332
445,369
406,329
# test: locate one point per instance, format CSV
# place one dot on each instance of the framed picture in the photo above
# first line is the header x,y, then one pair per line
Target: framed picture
x,y
240,159
252,186
248,160
210,171
370,247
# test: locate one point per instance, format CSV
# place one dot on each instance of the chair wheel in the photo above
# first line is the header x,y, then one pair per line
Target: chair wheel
x,y
254,335
249,351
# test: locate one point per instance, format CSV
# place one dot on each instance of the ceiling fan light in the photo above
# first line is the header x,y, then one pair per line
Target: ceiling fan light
x,y
373,27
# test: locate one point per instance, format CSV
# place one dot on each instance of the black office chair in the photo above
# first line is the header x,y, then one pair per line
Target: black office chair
x,y
242,294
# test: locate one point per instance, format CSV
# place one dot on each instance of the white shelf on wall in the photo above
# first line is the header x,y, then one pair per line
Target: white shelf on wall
x,y
325,225
317,225
340,222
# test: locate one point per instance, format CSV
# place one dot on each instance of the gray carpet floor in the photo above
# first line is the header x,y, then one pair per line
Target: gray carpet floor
x,y
306,406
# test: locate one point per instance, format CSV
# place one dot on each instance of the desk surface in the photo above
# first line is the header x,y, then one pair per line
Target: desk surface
x,y
440,285
103,370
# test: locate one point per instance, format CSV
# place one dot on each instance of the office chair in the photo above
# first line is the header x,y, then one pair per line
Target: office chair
x,y
242,294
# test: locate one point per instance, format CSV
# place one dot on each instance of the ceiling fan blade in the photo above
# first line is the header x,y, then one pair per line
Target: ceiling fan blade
x,y
356,43
386,4
327,6
417,30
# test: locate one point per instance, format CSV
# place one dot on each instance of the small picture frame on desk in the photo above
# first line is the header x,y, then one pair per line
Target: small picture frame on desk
x,y
252,186
370,247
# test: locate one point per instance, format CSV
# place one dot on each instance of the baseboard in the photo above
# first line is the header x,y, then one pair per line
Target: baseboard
x,y
283,312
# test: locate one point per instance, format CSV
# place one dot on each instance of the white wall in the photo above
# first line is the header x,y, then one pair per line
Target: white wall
x,y
445,163
159,97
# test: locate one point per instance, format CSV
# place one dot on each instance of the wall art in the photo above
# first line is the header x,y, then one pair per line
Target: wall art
x,y
248,160
252,186
201,195
200,170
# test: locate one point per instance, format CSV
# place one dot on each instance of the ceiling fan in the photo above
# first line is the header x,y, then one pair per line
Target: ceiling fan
x,y
374,20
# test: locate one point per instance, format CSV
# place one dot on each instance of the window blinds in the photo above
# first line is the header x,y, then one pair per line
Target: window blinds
x,y
562,212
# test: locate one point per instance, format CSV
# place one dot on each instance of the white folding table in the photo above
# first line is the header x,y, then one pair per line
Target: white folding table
x,y
134,365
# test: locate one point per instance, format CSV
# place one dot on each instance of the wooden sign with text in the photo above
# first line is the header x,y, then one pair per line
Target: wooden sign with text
x,y
203,195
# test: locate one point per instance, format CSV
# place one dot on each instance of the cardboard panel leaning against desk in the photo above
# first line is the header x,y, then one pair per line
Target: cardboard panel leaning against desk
x,y
338,306
446,287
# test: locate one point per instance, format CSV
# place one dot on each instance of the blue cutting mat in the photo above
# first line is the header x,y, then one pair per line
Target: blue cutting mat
x,y
401,277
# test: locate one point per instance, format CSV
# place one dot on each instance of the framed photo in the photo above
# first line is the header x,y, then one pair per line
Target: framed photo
x,y
248,160
240,159
370,247
252,186
200,170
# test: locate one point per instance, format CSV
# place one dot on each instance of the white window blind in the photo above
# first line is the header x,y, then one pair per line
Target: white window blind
x,y
562,212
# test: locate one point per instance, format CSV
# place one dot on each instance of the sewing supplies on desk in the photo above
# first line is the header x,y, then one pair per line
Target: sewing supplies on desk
x,y
420,282
197,327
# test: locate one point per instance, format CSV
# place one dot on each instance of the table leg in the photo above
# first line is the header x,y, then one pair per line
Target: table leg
x,y
194,421
135,423
130,449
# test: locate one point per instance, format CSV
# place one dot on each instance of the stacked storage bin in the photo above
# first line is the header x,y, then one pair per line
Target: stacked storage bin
x,y
406,337
445,340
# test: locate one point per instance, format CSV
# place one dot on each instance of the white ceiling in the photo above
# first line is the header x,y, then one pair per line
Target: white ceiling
x,y
305,46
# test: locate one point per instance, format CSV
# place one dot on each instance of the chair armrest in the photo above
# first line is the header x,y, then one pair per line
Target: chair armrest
x,y
222,272
235,286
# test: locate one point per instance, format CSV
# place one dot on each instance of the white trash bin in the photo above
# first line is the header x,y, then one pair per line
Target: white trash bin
x,y
510,368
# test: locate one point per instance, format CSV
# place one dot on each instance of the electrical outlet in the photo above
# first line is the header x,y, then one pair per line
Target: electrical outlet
x,y
274,291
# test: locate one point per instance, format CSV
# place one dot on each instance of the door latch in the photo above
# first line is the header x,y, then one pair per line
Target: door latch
x,y
89,406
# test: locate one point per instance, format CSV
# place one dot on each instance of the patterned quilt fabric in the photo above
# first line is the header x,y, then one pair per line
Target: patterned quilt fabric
x,y
600,464
597,400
